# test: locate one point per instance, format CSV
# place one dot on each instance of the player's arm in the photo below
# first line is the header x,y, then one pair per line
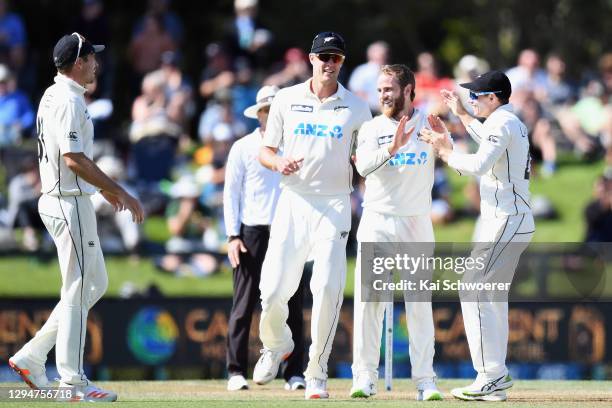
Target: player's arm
x,y
273,138
235,171
490,150
473,126
370,157
87,169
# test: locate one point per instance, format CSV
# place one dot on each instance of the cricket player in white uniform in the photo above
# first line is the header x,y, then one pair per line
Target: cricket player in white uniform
x,y
69,178
316,123
503,164
399,175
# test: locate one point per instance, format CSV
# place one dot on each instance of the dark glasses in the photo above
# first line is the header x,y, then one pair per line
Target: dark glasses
x,y
335,58
475,95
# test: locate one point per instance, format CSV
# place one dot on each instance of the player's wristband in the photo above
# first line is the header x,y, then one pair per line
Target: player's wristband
x,y
232,237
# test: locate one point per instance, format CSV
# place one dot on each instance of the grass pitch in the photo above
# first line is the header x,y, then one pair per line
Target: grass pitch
x,y
171,394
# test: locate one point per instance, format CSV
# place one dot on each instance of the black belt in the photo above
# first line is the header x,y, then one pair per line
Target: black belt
x,y
257,227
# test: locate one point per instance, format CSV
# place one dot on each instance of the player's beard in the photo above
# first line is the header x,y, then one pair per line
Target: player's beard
x,y
395,108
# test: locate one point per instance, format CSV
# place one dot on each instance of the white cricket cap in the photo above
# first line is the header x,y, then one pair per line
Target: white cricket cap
x,y
264,98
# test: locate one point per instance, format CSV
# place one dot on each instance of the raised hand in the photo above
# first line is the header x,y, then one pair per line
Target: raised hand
x,y
453,102
436,124
401,137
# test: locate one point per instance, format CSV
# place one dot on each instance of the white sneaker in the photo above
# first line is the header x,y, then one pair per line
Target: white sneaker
x,y
428,391
316,388
236,383
364,386
493,397
267,365
483,387
33,374
86,393
295,383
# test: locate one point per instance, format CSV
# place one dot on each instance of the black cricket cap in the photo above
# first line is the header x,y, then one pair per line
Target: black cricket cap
x,y
492,81
67,48
328,42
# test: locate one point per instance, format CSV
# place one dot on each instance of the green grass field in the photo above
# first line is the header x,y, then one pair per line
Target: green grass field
x,y
187,394
569,190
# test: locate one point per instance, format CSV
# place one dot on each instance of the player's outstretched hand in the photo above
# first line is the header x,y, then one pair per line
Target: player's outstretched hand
x,y
233,251
436,124
288,165
401,137
440,142
453,102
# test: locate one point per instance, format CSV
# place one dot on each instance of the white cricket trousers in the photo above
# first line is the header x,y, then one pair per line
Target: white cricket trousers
x,y
71,221
368,316
305,227
502,241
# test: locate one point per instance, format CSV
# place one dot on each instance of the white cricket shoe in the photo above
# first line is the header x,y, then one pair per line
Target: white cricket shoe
x,y
267,365
483,387
32,374
236,383
316,388
295,383
364,386
428,391
86,393
493,397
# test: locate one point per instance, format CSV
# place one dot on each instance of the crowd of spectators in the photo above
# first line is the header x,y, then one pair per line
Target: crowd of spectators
x,y
172,155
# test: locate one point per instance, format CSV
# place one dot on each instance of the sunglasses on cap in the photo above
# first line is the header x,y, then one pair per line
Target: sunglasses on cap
x,y
80,46
335,58
475,95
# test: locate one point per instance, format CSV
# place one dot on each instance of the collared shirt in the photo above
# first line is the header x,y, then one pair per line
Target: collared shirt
x,y
399,185
63,126
251,191
323,133
502,161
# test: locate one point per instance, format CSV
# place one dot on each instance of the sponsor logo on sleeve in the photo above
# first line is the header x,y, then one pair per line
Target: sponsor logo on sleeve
x,y
72,135
383,140
301,108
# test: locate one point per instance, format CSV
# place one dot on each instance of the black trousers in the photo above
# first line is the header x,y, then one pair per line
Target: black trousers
x,y
246,296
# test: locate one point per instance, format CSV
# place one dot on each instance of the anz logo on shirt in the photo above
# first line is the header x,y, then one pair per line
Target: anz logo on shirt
x,y
408,159
318,130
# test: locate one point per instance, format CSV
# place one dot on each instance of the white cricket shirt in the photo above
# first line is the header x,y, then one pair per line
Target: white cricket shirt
x,y
399,185
502,161
251,191
63,126
323,133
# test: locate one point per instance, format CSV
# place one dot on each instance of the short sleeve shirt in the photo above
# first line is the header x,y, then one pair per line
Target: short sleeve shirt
x,y
63,126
